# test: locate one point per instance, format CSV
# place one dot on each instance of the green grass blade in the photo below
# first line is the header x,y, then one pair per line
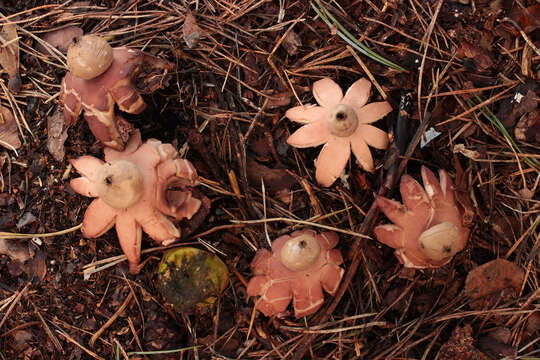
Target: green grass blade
x,y
493,119
330,20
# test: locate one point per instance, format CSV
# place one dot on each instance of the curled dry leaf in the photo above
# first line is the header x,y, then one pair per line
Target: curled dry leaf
x,y
292,42
492,283
56,135
523,101
277,181
9,55
9,132
191,31
528,127
16,250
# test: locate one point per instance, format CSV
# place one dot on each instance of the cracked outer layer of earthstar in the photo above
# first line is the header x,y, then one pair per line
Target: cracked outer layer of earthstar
x,y
143,188
119,77
427,229
277,284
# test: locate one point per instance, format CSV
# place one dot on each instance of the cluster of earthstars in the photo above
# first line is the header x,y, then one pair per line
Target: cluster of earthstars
x,y
145,187
427,230
140,186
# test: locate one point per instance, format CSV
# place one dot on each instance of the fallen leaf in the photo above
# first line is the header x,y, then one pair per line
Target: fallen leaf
x,y
428,136
191,31
523,101
9,133
27,219
533,323
471,154
527,18
292,42
56,135
277,181
37,267
497,343
501,334
481,57
6,199
73,9
278,99
21,339
16,250
528,127
61,38
251,70
9,55
260,147
504,226
492,283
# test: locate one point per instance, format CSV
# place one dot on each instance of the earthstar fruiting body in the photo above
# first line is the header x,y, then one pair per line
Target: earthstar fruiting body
x,y
138,189
299,266
341,123
427,230
101,77
89,56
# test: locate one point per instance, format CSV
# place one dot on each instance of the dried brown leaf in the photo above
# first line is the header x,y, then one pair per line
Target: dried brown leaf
x,y
462,194
277,181
528,127
9,136
481,57
523,101
497,343
527,18
533,324
38,266
279,99
9,55
21,339
191,31
56,135
492,283
292,42
15,250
